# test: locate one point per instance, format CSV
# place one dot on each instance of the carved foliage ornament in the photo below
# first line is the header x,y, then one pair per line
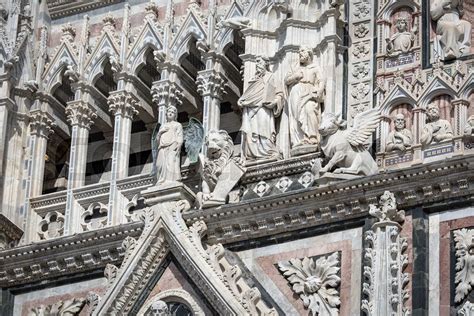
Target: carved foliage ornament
x,y
316,282
62,308
464,279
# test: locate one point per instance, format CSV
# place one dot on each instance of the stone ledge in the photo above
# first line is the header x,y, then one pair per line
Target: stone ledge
x,y
62,8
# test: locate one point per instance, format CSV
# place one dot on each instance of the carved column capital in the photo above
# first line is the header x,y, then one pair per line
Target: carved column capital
x,y
167,92
461,102
41,123
123,103
80,114
211,83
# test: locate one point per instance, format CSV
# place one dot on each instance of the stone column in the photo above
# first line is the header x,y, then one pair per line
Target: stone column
x,y
41,126
123,105
385,283
211,84
80,115
460,115
166,92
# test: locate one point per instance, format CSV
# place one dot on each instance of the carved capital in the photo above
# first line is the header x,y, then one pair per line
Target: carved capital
x,y
211,83
167,93
460,102
80,114
41,123
123,103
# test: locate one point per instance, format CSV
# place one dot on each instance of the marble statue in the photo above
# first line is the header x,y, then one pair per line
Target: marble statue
x,y
167,144
261,103
402,40
220,173
346,148
306,95
453,33
469,127
436,130
401,137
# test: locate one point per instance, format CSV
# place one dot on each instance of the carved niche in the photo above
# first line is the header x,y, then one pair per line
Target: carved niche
x,y
439,116
404,30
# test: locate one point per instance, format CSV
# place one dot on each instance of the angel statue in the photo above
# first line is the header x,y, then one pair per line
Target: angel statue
x,y
346,148
167,149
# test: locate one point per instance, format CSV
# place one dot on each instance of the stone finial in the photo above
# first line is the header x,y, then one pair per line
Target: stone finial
x,y
109,22
387,212
316,282
68,33
151,11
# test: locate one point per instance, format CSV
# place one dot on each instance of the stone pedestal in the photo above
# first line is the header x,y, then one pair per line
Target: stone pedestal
x,y
168,192
330,177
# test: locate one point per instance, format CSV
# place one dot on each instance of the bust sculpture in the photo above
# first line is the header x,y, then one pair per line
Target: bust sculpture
x,y
401,137
453,33
261,103
402,40
168,143
469,127
306,95
436,130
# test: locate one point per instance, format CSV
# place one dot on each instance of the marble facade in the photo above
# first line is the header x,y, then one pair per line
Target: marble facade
x,y
235,157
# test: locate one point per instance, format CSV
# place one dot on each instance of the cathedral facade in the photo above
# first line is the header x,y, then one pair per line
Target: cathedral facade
x,y
237,157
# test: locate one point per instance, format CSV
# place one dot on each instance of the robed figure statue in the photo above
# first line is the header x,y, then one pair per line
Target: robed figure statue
x,y
261,103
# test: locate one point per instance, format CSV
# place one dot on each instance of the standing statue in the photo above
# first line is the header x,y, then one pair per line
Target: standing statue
x,y
402,40
436,130
346,148
167,147
401,137
261,103
453,33
306,97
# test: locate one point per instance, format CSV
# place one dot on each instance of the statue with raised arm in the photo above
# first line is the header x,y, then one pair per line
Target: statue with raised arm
x,y
436,130
306,96
400,138
167,147
453,33
402,40
261,103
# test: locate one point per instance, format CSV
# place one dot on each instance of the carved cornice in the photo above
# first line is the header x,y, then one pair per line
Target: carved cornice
x,y
64,256
62,8
331,204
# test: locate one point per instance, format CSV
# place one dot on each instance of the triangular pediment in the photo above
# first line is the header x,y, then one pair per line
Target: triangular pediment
x,y
166,234
65,55
224,35
106,46
149,36
435,87
192,26
398,94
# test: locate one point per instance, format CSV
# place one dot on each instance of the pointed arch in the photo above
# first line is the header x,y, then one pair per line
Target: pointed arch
x,y
64,57
106,48
147,38
192,28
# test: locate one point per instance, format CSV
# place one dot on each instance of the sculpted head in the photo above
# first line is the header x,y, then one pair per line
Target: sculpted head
x,y
402,24
306,55
432,111
219,144
263,64
399,122
331,123
171,113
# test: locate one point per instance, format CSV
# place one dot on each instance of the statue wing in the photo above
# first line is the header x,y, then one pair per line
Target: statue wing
x,y
365,124
154,147
193,139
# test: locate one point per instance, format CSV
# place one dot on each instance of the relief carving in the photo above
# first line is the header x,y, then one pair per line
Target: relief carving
x,y
70,307
401,138
316,282
452,32
402,40
436,129
464,279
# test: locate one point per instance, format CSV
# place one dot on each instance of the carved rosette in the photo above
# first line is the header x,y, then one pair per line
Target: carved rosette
x,y
316,282
464,279
41,124
167,93
211,83
80,114
385,261
123,103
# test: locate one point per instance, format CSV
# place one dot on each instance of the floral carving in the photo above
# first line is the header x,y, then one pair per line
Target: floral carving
x,y
360,50
316,282
467,309
110,273
360,91
361,30
464,262
360,71
62,308
362,9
